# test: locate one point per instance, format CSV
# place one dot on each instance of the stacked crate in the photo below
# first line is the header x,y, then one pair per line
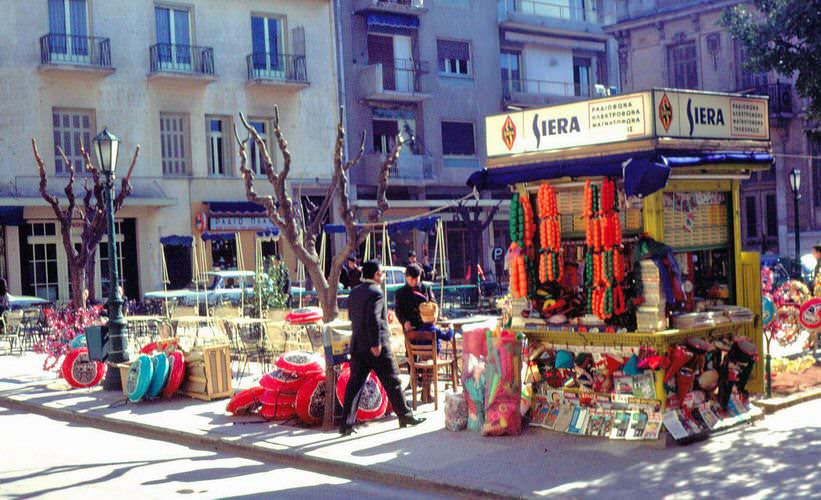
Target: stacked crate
x,y
652,314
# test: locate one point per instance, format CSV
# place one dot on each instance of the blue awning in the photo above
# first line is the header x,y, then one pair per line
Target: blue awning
x,y
269,233
234,207
206,236
11,216
176,240
420,224
391,20
645,172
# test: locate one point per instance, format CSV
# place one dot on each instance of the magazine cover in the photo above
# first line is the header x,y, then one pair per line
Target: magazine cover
x,y
564,417
644,386
638,422
595,423
621,422
674,426
653,427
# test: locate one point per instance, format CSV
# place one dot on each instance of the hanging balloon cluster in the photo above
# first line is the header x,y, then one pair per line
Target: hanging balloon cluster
x,y
551,261
521,253
604,261
783,304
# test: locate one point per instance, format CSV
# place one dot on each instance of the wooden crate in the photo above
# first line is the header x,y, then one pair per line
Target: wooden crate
x,y
208,373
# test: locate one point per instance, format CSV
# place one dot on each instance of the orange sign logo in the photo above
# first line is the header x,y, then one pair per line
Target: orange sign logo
x,y
509,133
665,112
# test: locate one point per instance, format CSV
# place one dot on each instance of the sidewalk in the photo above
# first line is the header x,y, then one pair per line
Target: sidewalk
x,y
430,458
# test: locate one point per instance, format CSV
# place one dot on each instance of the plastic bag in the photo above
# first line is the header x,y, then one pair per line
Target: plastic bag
x,y
474,351
456,411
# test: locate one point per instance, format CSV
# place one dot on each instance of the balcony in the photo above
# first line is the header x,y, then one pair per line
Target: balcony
x,y
555,14
413,7
75,53
531,93
281,70
410,170
780,98
172,61
399,81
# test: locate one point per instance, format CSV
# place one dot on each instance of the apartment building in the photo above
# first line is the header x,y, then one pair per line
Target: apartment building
x,y
666,43
172,77
432,70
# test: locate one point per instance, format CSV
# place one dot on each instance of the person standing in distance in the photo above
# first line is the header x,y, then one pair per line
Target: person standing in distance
x,y
371,350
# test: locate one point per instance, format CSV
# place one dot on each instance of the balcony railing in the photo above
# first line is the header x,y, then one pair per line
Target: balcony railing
x,y
514,88
186,59
780,97
391,4
268,66
540,8
409,169
403,75
59,48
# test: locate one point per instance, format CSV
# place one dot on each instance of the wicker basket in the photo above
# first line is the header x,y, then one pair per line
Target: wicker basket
x,y
429,311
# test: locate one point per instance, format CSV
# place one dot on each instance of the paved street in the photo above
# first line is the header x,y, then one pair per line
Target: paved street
x,y
46,458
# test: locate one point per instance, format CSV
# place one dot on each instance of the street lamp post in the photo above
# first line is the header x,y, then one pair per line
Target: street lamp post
x,y
795,186
106,145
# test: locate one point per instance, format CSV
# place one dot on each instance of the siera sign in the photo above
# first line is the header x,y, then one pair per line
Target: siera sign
x,y
642,115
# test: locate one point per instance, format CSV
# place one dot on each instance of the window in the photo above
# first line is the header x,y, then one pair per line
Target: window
x,y
255,163
43,268
267,43
772,216
511,71
454,57
173,27
388,123
457,139
683,65
72,128
68,30
384,135
103,251
174,143
747,80
581,76
751,225
224,254
219,159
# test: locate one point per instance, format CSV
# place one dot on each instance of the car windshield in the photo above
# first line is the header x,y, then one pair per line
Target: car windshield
x,y
224,282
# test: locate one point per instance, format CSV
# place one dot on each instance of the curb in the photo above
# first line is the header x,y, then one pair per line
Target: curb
x,y
292,458
772,405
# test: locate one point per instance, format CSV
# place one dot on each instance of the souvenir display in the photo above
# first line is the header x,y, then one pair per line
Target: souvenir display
x,y
160,377
79,371
310,400
373,400
245,402
140,375
176,373
456,411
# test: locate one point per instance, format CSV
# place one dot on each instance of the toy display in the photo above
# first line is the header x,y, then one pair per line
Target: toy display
x,y
79,371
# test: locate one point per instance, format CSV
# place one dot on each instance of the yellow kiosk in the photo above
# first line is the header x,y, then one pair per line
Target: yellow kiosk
x,y
676,159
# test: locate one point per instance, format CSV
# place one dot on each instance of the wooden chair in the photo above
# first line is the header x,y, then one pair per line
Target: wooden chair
x,y
425,363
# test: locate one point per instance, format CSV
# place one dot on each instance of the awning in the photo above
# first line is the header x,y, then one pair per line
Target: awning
x,y
391,20
206,236
272,233
643,172
420,224
234,208
11,216
177,240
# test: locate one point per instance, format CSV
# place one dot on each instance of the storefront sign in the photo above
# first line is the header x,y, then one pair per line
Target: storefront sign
x,y
643,115
238,223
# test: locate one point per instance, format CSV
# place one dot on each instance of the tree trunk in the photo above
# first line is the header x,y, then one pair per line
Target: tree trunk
x,y
91,275
77,276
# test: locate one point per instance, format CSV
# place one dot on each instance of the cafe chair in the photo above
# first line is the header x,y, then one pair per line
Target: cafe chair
x,y
426,364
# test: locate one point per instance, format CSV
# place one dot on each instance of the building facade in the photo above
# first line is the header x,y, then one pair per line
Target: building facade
x,y
664,43
172,77
432,70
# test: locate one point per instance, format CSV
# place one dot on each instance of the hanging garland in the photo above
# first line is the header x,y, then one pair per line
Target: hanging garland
x,y
551,261
604,260
522,253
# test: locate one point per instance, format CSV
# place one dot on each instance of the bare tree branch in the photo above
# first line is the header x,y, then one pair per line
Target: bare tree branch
x,y
384,173
50,199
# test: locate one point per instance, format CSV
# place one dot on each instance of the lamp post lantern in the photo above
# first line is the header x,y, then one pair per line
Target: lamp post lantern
x,y
106,146
795,186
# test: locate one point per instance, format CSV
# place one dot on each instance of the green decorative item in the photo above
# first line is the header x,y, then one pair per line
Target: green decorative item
x,y
273,286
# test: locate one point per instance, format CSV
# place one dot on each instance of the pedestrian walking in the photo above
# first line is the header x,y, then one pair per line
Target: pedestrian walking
x,y
371,350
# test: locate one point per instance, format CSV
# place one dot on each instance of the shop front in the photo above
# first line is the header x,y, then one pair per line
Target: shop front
x,y
640,309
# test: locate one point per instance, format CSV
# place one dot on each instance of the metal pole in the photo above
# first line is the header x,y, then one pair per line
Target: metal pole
x,y
797,235
117,326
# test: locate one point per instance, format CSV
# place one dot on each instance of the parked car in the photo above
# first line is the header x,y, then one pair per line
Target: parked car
x,y
224,286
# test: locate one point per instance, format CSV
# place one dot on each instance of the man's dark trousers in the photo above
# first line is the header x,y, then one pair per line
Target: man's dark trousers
x,y
385,368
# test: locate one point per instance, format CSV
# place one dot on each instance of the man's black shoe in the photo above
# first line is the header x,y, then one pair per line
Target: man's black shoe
x,y
346,430
410,421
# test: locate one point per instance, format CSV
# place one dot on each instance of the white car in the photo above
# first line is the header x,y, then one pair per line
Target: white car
x,y
224,286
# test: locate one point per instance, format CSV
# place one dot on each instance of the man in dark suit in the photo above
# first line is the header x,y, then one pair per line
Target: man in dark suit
x,y
371,350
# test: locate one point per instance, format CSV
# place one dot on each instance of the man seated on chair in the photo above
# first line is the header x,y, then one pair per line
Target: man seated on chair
x,y
408,299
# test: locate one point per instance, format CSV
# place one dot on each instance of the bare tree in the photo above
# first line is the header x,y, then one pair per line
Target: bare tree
x,y
471,218
92,215
300,230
